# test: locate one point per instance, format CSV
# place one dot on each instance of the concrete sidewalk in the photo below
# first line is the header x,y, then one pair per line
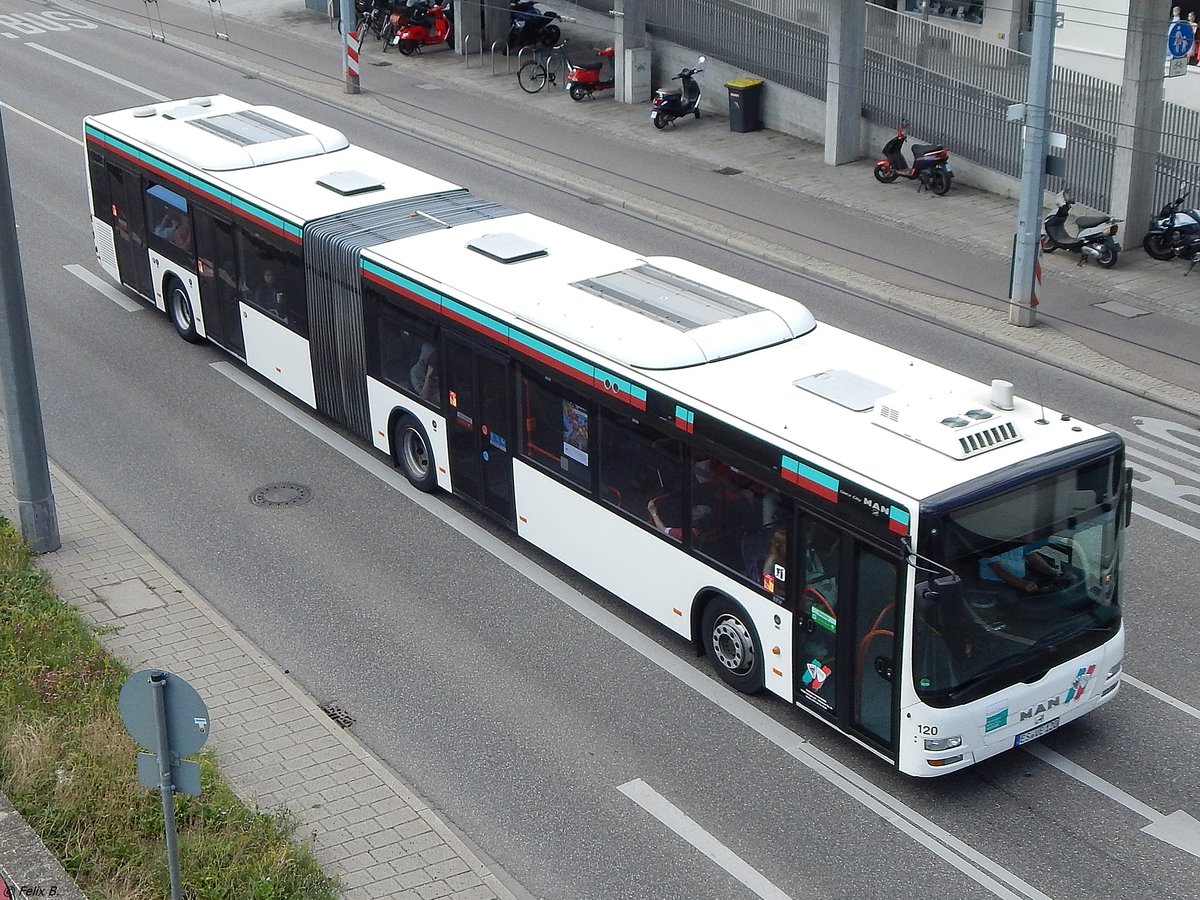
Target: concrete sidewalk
x,y
276,747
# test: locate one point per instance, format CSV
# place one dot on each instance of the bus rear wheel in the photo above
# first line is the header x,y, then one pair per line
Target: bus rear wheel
x,y
732,646
413,454
179,305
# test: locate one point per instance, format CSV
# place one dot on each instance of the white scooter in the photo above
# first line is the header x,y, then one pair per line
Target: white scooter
x,y
1094,237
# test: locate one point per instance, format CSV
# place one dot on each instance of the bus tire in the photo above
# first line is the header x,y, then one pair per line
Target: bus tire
x,y
413,456
732,646
179,308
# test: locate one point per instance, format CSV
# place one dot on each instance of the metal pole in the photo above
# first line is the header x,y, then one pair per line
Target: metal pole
x,y
26,439
349,47
158,687
1023,297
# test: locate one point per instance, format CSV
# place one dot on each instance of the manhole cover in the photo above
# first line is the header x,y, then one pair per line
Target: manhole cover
x,y
338,714
728,171
381,62
281,494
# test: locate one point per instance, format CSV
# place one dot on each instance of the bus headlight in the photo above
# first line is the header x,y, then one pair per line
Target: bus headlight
x,y
946,743
1114,671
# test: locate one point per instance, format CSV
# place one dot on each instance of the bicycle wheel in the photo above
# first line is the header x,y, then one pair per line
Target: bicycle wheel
x,y
532,77
361,29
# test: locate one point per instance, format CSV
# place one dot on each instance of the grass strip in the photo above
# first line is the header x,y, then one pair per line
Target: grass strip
x,y
68,766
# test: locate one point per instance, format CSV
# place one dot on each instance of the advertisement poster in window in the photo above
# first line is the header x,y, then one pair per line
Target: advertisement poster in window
x,y
575,432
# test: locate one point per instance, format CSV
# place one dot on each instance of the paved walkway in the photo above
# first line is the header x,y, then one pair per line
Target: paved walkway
x,y
274,744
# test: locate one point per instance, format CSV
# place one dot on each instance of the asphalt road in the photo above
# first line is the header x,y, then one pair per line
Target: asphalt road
x,y
519,709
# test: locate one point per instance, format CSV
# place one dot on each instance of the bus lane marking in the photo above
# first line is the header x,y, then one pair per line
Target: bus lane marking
x,y
1178,829
46,125
981,869
104,288
675,819
39,23
111,77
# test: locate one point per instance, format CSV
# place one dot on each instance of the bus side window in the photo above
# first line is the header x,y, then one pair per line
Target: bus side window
x,y
557,429
407,357
274,278
101,195
639,465
169,219
747,530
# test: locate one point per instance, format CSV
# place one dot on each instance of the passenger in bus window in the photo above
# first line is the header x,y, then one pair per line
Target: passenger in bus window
x,y
700,517
167,226
423,374
1023,568
268,296
182,238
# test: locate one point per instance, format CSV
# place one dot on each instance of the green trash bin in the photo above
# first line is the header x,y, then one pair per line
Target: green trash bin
x,y
745,104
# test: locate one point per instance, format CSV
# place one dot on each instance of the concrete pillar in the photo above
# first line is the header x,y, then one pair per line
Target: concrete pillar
x,y
631,58
496,21
844,84
1139,120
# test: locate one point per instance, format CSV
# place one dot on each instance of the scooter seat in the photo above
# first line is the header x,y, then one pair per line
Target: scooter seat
x,y
922,149
1090,221
590,67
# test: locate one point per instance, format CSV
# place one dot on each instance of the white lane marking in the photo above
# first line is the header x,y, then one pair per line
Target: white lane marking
x,y
111,77
48,127
979,868
670,815
104,288
1161,465
1166,521
1137,437
1159,695
1177,829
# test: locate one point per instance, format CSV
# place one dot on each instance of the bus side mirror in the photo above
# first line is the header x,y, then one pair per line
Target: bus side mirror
x,y
1128,496
945,590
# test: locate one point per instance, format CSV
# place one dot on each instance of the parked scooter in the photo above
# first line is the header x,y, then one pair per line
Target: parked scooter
x,y
930,166
1174,232
530,25
584,80
1094,238
426,26
669,105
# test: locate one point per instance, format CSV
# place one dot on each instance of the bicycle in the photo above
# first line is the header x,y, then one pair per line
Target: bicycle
x,y
535,74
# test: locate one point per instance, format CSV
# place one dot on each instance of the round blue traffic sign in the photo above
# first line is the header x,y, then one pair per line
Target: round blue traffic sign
x,y
1179,39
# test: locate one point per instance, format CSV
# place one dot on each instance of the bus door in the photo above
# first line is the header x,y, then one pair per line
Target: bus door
x,y
220,295
846,648
129,228
478,423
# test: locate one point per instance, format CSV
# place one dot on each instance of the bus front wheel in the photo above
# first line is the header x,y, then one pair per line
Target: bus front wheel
x,y
413,454
732,646
179,305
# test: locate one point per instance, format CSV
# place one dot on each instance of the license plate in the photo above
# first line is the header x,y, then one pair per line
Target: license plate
x,y
948,169
1034,733
653,113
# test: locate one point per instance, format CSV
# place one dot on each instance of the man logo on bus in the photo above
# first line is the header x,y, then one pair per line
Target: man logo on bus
x,y
815,674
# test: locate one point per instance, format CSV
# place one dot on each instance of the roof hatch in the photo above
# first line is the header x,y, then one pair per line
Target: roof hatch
x,y
668,298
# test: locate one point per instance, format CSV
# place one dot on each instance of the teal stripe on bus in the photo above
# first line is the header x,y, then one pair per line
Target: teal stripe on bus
x,y
219,195
560,360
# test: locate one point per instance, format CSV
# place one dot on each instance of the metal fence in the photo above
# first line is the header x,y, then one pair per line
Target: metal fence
x,y
950,87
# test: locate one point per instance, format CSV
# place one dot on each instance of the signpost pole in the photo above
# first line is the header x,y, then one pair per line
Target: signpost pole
x,y
158,685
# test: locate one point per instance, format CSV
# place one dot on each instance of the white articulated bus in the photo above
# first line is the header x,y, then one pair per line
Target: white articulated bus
x,y
915,558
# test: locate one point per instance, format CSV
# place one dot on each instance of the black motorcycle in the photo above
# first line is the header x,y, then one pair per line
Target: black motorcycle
x,y
530,25
1174,232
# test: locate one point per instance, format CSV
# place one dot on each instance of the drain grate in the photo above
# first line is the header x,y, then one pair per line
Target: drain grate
x,y
728,171
338,714
283,493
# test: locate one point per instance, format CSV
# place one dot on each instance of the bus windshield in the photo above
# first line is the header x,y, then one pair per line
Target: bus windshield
x,y
1040,568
